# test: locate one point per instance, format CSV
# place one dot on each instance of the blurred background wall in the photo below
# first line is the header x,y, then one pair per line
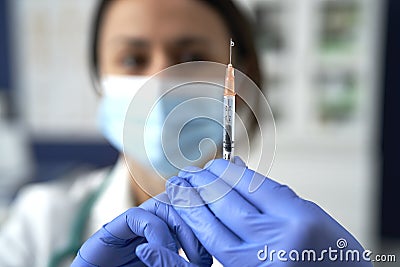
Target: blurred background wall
x,y
331,78
48,104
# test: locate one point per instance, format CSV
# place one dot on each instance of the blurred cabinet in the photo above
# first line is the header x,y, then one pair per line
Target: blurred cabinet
x,y
55,96
320,63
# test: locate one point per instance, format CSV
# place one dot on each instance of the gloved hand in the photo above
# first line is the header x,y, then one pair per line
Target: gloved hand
x,y
132,238
271,226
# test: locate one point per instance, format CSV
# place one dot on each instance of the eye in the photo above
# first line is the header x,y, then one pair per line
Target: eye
x,y
191,56
134,61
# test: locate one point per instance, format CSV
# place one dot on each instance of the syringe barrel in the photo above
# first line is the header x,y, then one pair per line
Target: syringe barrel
x,y
229,127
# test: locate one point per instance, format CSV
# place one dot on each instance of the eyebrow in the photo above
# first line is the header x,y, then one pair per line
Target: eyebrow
x,y
191,40
134,42
144,43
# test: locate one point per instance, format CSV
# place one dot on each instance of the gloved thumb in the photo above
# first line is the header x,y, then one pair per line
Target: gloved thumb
x,y
154,255
238,161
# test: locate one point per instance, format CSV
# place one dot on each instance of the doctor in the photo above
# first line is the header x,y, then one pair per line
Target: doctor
x,y
269,227
50,222
130,39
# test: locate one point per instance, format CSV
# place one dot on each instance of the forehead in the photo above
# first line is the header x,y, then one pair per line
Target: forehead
x,y
162,20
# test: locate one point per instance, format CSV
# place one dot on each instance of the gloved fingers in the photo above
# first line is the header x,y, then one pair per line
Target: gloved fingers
x,y
271,197
79,261
207,228
102,248
138,222
157,256
235,212
194,250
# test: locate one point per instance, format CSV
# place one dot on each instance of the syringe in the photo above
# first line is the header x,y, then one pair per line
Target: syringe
x,y
229,109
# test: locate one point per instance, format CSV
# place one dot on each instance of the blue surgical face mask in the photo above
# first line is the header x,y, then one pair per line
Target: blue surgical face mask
x,y
164,130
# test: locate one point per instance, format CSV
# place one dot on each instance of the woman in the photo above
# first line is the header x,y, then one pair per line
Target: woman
x,y
130,38
139,38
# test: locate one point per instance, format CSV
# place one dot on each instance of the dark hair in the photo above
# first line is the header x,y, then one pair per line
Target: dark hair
x,y
238,25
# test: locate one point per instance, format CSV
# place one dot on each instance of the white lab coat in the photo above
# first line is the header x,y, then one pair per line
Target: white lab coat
x,y
40,220
42,215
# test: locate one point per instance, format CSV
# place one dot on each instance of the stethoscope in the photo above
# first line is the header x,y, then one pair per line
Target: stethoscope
x,y
78,226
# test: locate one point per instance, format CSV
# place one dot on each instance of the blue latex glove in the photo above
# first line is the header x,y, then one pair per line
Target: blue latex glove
x,y
131,239
242,228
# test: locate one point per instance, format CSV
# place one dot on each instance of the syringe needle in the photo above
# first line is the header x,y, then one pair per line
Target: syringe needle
x,y
231,44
